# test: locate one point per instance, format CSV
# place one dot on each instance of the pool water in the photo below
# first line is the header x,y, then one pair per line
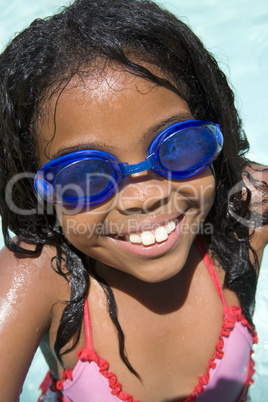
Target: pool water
x,y
236,32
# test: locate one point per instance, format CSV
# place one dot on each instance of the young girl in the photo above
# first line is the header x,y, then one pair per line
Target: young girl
x,y
139,222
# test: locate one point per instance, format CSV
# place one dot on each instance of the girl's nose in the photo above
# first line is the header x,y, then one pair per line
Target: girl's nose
x,y
144,191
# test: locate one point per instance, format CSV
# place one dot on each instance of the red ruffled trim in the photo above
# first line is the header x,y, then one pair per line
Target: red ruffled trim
x,y
49,383
233,315
116,388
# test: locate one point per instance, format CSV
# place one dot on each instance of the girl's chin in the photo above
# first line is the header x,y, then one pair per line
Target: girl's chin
x,y
151,272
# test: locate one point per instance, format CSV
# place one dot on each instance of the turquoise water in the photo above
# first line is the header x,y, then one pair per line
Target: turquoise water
x,y
236,32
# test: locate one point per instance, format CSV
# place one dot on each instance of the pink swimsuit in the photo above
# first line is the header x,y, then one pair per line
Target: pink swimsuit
x,y
229,372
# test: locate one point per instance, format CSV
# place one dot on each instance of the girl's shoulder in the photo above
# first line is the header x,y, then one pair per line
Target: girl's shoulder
x,y
255,177
29,288
28,281
28,274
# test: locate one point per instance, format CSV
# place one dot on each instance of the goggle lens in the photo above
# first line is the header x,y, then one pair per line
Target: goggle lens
x,y
185,151
83,180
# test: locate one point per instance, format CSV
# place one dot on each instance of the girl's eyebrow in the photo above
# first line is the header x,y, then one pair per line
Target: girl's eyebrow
x,y
156,129
80,147
148,134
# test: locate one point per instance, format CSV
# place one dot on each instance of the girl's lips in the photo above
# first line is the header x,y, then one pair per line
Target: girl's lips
x,y
154,250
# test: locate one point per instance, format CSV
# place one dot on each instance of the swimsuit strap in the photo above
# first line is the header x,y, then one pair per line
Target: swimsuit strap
x,y
88,331
211,270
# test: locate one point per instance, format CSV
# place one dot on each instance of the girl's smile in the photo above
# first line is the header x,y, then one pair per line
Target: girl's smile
x,y
150,219
152,243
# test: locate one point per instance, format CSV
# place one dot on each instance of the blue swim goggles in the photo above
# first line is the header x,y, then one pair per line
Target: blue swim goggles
x,y
88,177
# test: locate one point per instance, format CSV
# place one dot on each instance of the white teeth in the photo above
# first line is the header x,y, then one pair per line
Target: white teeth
x,y
134,238
170,226
161,234
147,238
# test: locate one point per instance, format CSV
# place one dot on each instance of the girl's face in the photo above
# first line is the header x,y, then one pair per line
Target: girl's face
x,y
147,227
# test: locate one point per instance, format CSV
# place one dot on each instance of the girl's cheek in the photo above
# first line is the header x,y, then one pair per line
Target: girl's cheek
x,y
199,193
207,197
81,226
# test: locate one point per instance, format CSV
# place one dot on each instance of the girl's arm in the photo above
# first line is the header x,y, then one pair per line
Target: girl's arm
x,y
28,290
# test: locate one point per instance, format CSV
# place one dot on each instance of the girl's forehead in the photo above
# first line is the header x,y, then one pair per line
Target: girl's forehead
x,y
112,109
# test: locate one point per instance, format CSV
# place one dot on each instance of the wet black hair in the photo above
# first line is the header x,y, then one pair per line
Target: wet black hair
x,y
42,60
